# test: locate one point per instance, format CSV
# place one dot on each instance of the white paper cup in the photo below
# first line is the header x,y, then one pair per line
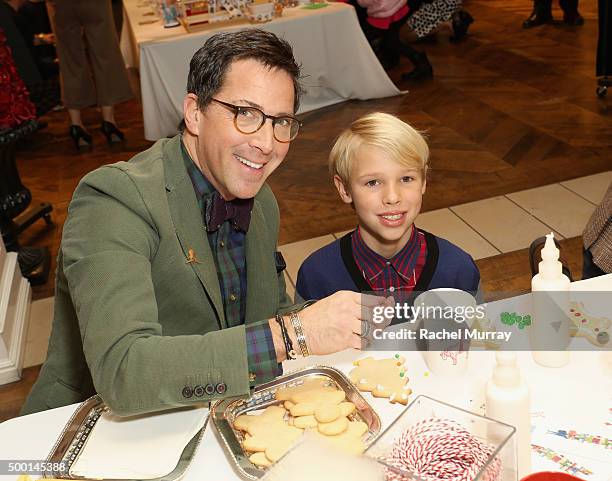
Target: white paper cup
x,y
446,356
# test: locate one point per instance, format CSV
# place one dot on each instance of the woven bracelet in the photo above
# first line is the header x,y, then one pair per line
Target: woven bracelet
x,y
289,351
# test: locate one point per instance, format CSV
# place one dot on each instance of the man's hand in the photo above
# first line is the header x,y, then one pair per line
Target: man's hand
x,y
335,323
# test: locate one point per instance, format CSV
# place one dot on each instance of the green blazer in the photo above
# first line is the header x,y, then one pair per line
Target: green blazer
x,y
134,321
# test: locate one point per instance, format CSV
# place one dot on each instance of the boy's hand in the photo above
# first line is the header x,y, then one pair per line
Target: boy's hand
x,y
334,324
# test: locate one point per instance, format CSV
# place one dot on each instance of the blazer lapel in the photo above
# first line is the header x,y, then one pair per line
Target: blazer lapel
x,y
261,269
189,225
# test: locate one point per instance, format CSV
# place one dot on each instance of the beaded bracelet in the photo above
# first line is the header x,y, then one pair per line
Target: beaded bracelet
x,y
289,351
299,333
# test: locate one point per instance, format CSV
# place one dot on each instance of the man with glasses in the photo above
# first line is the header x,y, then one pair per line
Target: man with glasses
x,y
169,287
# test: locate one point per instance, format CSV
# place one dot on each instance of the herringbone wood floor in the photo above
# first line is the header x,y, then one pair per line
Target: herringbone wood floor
x,y
508,109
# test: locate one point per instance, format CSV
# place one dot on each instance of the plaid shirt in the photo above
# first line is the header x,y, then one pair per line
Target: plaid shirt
x,y
399,274
228,249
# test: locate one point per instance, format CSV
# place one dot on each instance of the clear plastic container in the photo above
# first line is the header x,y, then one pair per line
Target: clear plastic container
x,y
499,438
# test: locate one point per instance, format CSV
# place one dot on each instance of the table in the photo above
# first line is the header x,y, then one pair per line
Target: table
x,y
577,396
337,61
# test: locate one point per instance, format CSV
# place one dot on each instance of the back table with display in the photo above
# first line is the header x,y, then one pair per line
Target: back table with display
x,y
337,61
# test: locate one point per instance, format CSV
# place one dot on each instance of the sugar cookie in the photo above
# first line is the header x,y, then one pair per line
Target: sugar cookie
x,y
320,396
283,434
255,444
276,451
327,412
334,428
266,430
270,414
597,330
260,459
303,409
382,377
305,422
269,419
357,428
321,383
346,408
350,440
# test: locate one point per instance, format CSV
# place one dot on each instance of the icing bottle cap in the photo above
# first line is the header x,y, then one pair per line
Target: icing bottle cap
x,y
550,251
550,265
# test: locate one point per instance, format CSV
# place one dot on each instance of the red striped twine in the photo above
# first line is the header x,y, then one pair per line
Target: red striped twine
x,y
441,449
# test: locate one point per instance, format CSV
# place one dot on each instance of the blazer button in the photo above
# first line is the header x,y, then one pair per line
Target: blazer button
x,y
221,388
210,389
198,390
187,392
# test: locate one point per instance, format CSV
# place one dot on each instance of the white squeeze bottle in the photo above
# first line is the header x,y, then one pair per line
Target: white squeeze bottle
x,y
549,334
507,400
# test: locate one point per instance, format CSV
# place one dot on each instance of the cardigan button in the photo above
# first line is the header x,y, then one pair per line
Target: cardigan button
x,y
221,388
187,392
198,390
210,389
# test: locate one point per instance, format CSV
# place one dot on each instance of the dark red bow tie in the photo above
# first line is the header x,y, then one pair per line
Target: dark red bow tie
x,y
218,210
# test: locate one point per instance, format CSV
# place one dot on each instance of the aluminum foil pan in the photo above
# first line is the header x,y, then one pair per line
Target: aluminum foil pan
x,y
226,411
73,439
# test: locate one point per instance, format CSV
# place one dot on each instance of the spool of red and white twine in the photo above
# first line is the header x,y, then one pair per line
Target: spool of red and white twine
x,y
441,449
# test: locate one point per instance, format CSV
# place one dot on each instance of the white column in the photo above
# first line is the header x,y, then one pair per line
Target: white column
x,y
15,300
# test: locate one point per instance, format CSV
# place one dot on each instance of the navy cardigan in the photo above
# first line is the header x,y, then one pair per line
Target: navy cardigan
x,y
332,268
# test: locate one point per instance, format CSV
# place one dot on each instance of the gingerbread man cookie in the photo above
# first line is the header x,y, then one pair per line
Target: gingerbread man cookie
x,y
350,440
595,329
270,415
267,433
294,393
382,377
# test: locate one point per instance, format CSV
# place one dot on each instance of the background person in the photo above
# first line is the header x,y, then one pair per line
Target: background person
x,y
84,29
427,17
542,13
597,240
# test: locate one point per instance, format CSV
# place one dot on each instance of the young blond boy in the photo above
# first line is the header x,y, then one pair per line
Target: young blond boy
x,y
379,166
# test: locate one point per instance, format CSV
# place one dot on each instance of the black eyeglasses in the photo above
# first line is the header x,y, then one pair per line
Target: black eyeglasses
x,y
249,120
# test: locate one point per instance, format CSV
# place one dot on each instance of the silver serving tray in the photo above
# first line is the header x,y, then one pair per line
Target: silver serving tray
x,y
224,413
73,438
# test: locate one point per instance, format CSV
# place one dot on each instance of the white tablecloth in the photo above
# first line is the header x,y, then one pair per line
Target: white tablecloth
x,y
337,61
576,397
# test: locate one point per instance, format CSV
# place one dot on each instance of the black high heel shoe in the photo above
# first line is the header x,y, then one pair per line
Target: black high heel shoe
x,y
541,14
82,140
111,132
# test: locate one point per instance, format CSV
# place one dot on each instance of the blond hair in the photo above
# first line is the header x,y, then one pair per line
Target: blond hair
x,y
399,140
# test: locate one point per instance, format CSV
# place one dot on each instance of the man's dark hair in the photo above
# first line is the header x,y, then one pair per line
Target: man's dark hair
x,y
210,63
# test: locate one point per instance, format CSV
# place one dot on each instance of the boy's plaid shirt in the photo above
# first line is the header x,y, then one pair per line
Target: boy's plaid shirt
x,y
399,274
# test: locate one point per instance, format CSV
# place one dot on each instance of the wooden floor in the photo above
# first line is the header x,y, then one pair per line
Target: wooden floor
x,y
508,109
